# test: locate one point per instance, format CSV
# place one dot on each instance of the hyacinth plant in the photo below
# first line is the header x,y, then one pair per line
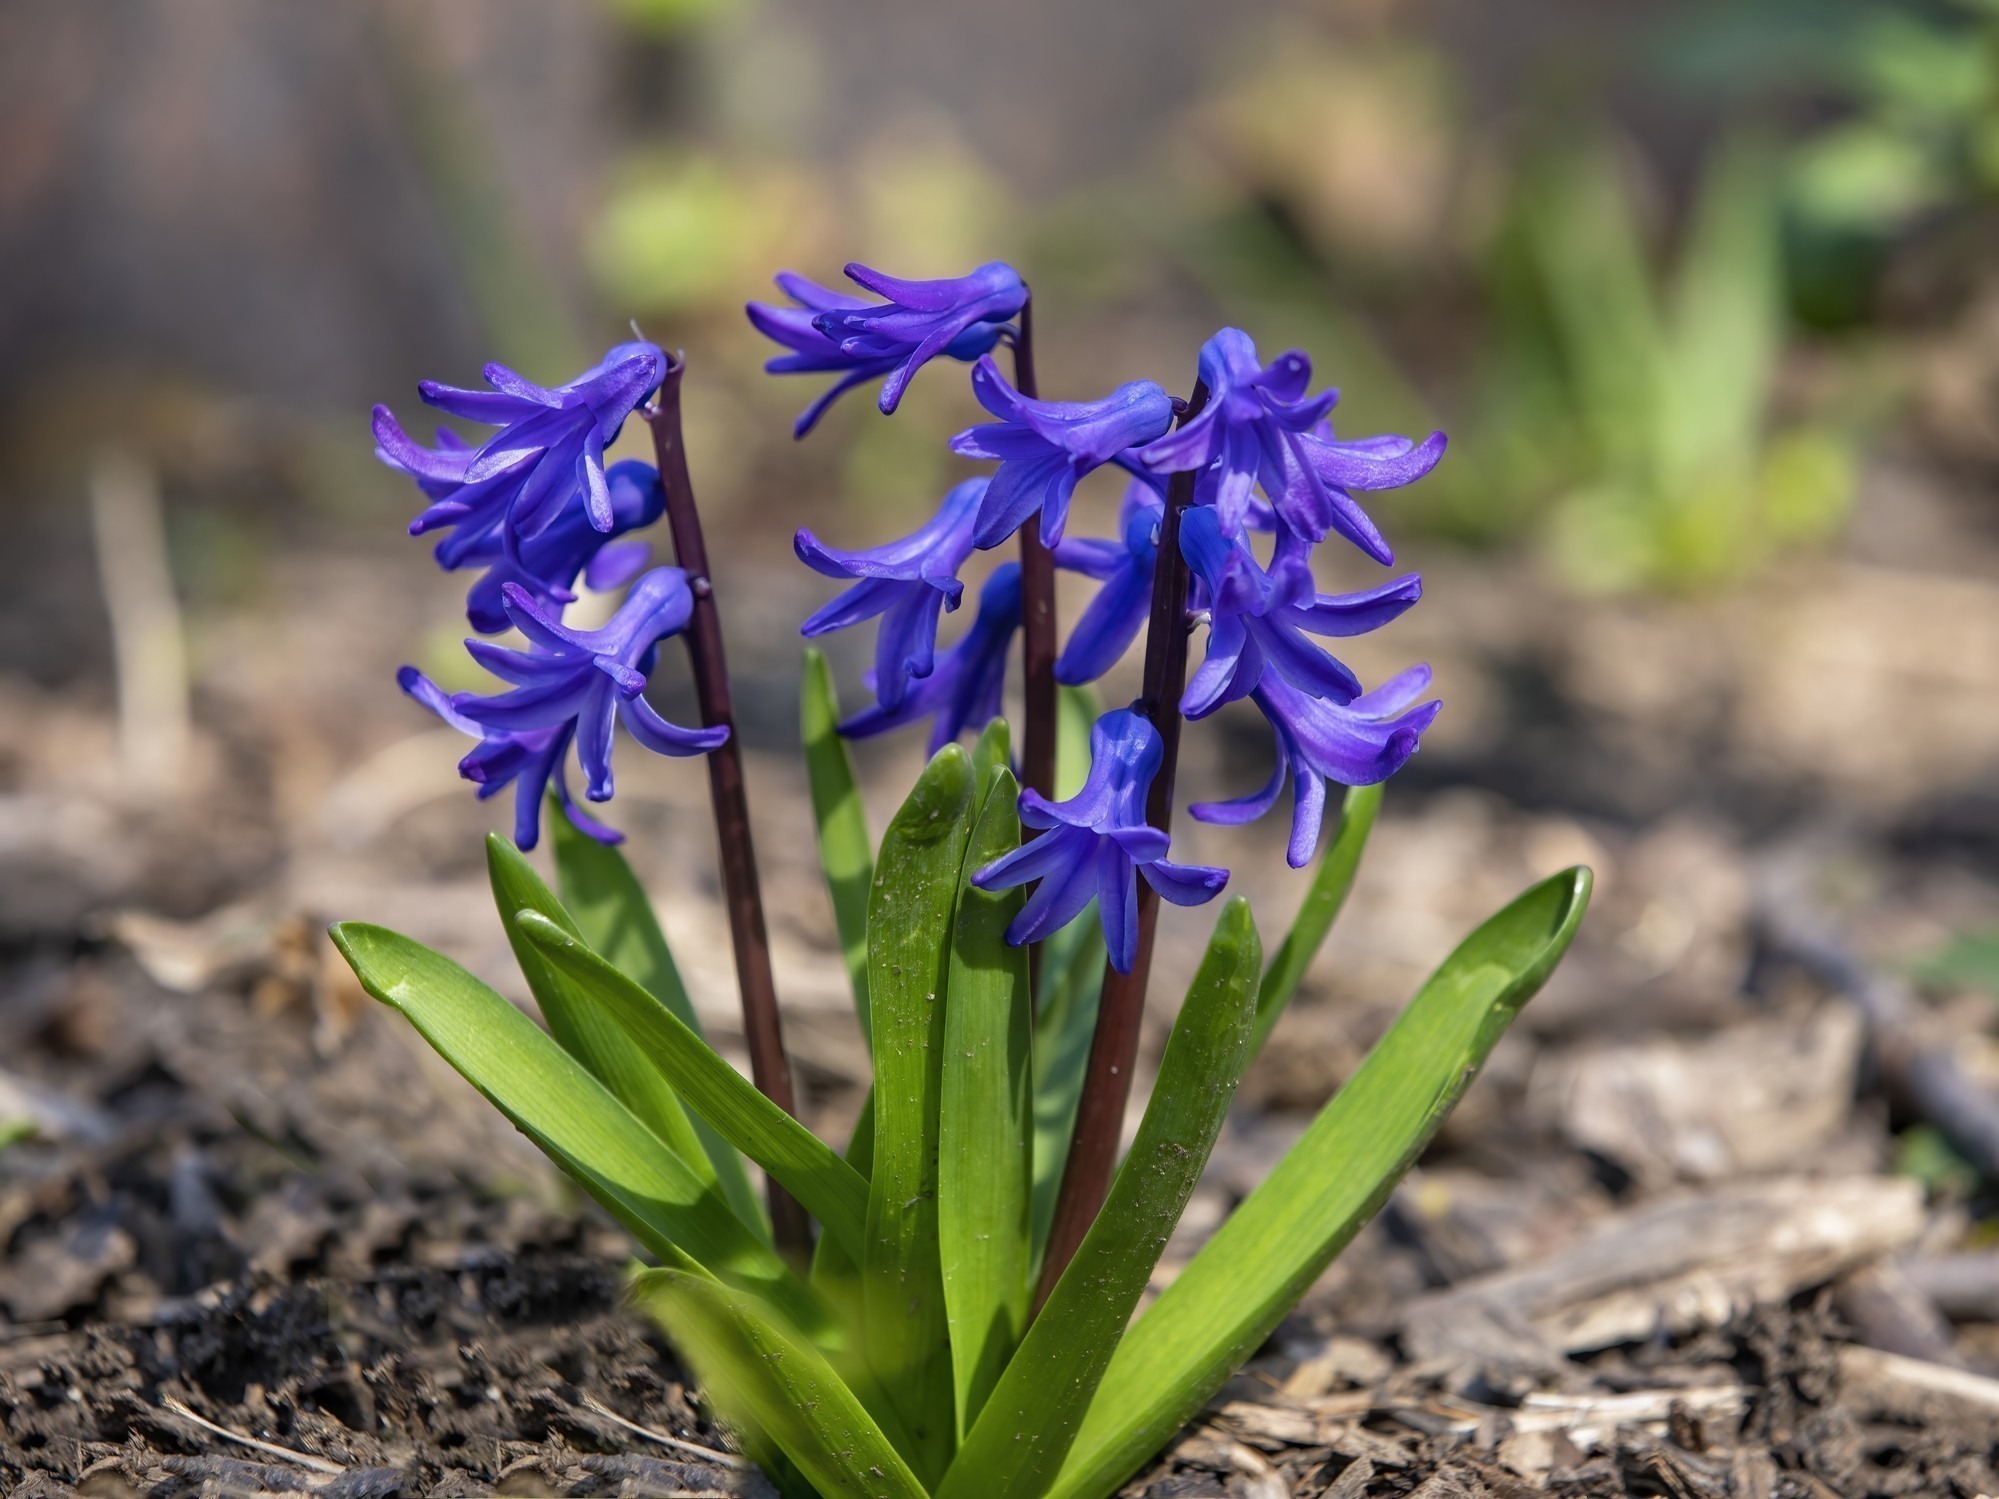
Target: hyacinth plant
x,y
946,1306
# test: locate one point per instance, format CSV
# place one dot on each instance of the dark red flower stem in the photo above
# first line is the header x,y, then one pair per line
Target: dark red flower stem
x,y
1037,615
1086,1178
769,1066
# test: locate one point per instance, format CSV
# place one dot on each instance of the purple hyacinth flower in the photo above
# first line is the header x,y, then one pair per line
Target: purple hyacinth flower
x,y
1320,740
1259,426
1105,630
470,515
964,690
1320,496
908,582
1045,447
1258,620
1254,414
832,333
548,565
570,685
550,446
1097,843
530,762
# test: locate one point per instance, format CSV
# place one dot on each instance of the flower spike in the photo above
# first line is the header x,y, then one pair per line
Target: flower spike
x,y
1097,843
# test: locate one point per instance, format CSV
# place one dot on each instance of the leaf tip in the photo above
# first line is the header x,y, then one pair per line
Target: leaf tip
x,y
340,934
1579,881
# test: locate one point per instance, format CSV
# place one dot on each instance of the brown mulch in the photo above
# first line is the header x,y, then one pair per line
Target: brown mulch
x,y
510,1372
306,1243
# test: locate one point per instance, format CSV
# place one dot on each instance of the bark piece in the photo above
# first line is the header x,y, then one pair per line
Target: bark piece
x,y
1678,1265
1756,1096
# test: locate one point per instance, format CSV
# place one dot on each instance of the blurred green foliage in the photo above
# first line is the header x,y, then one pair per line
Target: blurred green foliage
x,y
1641,403
669,18
1901,135
1922,1153
1923,90
1970,960
679,228
1613,361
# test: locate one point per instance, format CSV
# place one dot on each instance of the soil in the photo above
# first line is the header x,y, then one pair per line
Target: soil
x,y
210,1240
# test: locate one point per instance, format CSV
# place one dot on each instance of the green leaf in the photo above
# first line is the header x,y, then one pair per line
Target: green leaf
x,y
831,1190
612,912
583,1030
1072,978
1328,892
777,1389
995,748
1076,712
573,1118
834,1270
1017,1444
986,1116
909,931
844,847
1225,1303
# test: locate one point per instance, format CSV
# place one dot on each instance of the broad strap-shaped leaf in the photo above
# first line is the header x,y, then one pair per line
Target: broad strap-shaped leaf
x,y
1242,1282
1328,892
831,1190
581,1027
612,911
832,1264
845,850
995,748
909,936
986,1116
553,1099
1019,1440
1077,710
777,1389
1072,979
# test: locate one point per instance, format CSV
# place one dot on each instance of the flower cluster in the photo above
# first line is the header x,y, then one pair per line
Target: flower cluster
x,y
1271,482
534,508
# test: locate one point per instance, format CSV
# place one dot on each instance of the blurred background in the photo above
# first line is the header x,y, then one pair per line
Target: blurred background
x,y
1706,296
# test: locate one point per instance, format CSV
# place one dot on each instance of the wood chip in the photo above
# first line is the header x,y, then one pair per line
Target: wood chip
x,y
1912,1389
1679,1265
1757,1096
1290,1428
